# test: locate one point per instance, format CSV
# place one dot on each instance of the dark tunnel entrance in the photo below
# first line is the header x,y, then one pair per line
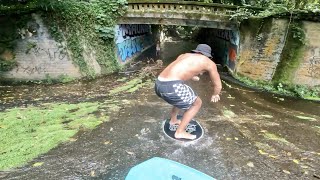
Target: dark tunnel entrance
x,y
224,44
177,40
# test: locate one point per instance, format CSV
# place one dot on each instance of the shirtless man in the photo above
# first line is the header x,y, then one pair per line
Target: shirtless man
x,y
171,88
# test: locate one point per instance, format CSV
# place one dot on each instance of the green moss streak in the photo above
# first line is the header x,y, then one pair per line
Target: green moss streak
x,y
130,86
291,57
275,138
26,133
285,89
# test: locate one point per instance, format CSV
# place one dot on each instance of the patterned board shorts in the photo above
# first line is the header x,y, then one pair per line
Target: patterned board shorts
x,y
175,93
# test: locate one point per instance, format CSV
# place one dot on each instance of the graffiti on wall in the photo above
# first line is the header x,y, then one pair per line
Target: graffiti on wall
x,y
232,56
228,35
53,54
30,70
314,62
42,59
131,39
231,42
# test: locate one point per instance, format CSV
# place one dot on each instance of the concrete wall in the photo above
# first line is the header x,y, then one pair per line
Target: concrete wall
x,y
263,42
308,72
132,40
256,55
261,45
38,55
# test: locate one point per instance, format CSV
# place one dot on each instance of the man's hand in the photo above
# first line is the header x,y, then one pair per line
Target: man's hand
x,y
215,98
195,78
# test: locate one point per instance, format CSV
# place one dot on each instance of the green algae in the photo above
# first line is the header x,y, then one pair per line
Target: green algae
x,y
28,132
228,113
274,137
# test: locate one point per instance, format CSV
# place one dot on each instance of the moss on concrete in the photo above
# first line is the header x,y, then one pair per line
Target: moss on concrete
x,y
291,56
26,133
130,86
255,26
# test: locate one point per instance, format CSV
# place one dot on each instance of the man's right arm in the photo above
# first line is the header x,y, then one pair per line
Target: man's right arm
x,y
216,81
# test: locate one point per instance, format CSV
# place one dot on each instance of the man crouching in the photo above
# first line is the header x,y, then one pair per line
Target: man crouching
x,y
170,86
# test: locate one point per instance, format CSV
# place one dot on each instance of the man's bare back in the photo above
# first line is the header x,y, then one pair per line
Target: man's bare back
x,y
188,65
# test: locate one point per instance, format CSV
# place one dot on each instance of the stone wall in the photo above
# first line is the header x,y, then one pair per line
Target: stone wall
x,y
257,55
261,45
38,56
308,72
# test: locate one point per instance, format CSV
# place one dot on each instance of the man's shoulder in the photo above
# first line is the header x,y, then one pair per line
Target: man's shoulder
x,y
192,56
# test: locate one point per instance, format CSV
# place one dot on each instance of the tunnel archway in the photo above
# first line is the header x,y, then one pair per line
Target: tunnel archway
x,y
224,42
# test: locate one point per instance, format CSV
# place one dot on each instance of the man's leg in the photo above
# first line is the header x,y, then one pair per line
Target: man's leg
x,y
187,116
174,113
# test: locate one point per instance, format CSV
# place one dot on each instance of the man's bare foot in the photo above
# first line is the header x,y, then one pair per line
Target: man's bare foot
x,y
175,122
184,135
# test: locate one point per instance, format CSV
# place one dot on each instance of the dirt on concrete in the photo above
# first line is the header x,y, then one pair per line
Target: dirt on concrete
x,y
248,135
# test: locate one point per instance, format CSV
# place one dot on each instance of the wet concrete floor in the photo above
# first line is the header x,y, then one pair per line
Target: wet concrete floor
x,y
248,135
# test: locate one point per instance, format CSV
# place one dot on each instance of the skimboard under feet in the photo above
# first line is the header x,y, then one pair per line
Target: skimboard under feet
x,y
193,128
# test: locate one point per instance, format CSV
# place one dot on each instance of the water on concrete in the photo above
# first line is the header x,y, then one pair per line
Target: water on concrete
x,y
248,134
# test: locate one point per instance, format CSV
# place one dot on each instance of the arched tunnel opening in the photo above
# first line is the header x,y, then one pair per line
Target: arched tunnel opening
x,y
140,42
175,40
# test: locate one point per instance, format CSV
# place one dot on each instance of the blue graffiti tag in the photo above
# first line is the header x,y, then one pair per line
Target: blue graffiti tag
x,y
129,47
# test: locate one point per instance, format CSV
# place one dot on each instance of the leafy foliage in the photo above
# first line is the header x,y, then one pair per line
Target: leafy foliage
x,y
104,10
301,91
87,27
6,65
242,14
291,55
270,7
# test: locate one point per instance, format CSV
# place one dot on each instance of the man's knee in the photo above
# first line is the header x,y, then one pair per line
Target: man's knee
x,y
197,102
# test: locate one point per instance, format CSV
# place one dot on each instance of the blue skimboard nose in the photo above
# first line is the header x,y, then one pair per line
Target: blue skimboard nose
x,y
164,169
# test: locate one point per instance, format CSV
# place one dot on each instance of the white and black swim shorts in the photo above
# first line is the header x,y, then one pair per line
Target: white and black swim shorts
x,y
175,93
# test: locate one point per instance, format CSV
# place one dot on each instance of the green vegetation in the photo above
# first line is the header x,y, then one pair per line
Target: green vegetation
x,y
87,27
27,132
63,78
6,65
30,46
50,80
298,8
284,89
130,86
228,113
7,35
292,54
275,138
